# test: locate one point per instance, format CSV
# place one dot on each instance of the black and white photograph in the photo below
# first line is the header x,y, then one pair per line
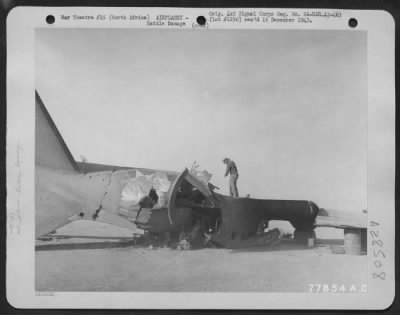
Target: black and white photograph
x,y
241,167
173,159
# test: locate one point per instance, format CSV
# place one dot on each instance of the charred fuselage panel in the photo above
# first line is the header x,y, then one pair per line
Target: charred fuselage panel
x,y
242,218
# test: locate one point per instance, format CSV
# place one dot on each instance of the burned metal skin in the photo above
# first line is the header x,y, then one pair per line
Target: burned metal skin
x,y
243,218
158,221
180,213
238,220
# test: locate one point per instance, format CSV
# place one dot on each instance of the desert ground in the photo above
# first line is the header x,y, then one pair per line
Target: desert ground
x,y
90,256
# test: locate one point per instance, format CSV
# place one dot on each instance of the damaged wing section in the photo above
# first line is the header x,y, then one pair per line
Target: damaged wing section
x,y
61,196
113,197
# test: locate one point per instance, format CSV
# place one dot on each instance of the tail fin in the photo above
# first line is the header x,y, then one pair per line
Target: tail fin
x,y
50,148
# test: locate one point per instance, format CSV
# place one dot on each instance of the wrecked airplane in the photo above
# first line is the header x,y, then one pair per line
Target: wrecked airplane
x,y
156,201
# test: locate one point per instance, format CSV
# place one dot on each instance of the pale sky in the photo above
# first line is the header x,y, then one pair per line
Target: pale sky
x,y
289,107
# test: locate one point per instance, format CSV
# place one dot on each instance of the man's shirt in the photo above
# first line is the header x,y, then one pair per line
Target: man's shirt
x,y
231,168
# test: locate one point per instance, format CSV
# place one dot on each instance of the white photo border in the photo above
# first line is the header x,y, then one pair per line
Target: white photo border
x,y
21,25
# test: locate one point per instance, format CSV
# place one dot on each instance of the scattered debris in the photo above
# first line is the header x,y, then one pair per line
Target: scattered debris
x,y
183,245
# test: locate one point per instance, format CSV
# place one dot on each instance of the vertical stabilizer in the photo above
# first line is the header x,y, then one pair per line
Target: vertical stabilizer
x,y
50,148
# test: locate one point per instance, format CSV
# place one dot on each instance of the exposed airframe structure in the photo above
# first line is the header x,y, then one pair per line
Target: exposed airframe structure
x,y
66,190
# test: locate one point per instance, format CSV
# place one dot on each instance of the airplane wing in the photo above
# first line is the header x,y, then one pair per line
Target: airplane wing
x,y
341,219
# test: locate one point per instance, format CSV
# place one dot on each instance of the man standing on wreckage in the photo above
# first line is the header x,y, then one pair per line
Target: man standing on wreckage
x,y
234,175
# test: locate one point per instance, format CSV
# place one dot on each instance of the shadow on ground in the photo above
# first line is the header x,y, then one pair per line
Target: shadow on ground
x,y
285,245
106,242
117,242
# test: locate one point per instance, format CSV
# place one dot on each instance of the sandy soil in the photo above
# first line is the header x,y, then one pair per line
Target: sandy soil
x,y
103,258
